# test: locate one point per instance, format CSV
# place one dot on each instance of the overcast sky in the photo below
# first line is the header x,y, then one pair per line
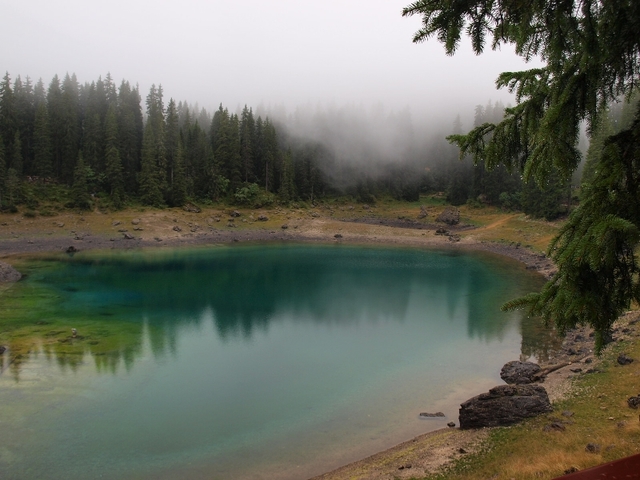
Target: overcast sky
x,y
255,52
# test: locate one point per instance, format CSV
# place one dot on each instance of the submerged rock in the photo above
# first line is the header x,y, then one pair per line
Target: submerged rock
x,y
517,373
431,415
504,405
8,273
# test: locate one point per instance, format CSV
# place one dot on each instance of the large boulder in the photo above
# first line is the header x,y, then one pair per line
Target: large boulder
x,y
504,405
517,373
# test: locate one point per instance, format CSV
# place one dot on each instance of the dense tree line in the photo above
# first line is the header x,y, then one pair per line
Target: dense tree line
x,y
103,143
96,139
476,183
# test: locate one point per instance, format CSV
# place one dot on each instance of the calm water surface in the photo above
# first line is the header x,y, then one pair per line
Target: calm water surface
x,y
276,362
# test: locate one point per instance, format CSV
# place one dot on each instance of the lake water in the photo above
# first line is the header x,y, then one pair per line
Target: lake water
x,y
256,362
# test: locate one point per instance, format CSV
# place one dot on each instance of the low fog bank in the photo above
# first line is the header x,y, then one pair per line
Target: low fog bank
x,y
360,144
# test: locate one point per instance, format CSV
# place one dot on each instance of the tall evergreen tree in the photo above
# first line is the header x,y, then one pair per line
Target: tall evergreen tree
x,y
150,181
25,120
3,176
17,160
80,197
113,164
42,143
172,144
130,132
7,112
590,52
154,159
178,194
70,127
247,140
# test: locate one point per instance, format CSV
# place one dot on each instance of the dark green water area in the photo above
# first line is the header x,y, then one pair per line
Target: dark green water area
x,y
261,362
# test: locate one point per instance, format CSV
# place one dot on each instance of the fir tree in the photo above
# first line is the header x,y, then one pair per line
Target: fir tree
x,y
154,159
3,176
80,197
179,179
172,141
150,179
130,132
113,164
12,187
247,140
16,155
7,112
590,50
42,143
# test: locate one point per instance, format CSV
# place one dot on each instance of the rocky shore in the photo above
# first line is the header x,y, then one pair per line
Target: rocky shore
x,y
421,455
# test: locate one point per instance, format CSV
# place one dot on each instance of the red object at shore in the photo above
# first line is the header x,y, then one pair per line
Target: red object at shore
x,y
624,469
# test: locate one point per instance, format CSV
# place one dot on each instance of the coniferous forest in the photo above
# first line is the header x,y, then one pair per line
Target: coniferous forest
x,y
103,144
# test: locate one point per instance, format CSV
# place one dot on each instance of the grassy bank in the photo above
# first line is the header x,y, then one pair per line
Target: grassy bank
x,y
595,412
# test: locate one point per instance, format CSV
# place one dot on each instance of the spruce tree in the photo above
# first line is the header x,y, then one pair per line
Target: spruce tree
x,y
7,112
590,54
154,166
80,197
130,132
17,160
172,141
247,140
113,164
3,176
179,179
42,143
150,179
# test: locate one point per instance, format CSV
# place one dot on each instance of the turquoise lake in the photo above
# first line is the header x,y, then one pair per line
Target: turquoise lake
x,y
247,362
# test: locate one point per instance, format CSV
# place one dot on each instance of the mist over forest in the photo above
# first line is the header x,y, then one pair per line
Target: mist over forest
x,y
111,145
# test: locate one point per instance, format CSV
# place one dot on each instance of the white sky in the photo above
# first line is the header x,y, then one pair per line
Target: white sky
x,y
255,52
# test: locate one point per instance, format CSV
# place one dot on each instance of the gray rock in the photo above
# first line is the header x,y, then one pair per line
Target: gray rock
x,y
450,216
431,415
592,448
623,359
555,426
634,402
191,208
504,405
517,373
8,273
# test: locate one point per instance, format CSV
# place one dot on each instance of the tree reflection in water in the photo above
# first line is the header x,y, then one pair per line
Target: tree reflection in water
x,y
112,300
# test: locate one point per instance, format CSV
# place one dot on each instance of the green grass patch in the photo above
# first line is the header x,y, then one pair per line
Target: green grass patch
x,y
599,415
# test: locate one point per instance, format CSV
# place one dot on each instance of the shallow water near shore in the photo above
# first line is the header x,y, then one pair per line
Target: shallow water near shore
x,y
261,362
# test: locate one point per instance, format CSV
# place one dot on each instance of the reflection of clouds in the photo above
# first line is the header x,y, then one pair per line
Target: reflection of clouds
x,y
244,290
